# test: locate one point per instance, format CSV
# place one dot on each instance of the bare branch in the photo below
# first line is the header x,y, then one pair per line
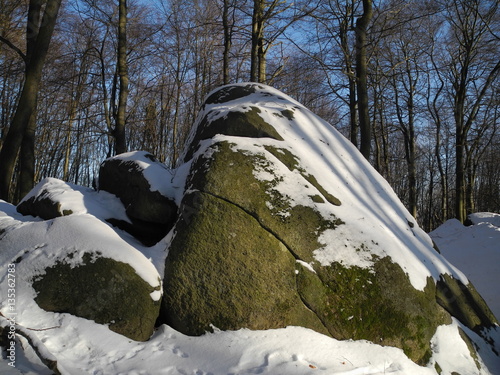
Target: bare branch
x,y
14,48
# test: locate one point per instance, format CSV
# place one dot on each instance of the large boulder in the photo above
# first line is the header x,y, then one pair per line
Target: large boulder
x,y
79,265
101,289
52,198
287,224
142,184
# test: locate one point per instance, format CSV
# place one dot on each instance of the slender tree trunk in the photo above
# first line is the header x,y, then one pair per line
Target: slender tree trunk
x,y
353,107
361,75
227,42
27,160
442,174
412,169
106,101
73,106
344,28
257,39
262,76
27,153
460,213
470,206
408,130
433,108
27,101
122,68
175,125
460,140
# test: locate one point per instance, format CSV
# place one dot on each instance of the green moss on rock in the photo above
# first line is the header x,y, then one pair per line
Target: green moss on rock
x,y
291,162
229,272
235,123
230,174
470,346
104,290
379,305
288,113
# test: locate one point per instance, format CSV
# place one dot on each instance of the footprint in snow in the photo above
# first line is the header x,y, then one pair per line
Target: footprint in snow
x,y
176,350
200,372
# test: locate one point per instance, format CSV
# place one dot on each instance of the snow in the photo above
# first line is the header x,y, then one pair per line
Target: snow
x,y
79,199
42,244
476,251
451,352
154,171
84,347
376,222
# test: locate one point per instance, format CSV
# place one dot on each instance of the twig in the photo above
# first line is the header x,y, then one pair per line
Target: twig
x,y
31,329
47,358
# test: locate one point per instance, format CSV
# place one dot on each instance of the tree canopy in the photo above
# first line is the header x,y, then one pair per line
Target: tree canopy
x,y
414,83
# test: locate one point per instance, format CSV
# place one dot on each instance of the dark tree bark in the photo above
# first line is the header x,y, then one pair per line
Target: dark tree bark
x,y
27,155
257,40
27,101
361,75
228,33
122,69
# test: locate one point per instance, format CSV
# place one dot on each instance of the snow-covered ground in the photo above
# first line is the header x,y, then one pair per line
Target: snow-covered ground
x,y
82,346
475,250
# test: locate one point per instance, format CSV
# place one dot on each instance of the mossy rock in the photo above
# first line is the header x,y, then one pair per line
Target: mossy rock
x,y
242,254
464,303
42,206
235,123
151,213
229,93
230,175
104,290
378,304
225,270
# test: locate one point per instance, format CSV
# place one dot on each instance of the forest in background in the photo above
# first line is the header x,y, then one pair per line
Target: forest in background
x,y
413,83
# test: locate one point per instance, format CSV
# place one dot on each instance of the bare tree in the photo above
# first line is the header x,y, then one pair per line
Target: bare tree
x,y
122,72
42,34
474,67
361,76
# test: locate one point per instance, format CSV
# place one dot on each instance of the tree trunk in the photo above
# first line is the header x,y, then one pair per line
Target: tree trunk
x,y
27,154
227,42
73,107
460,213
412,170
361,75
257,39
353,118
27,160
27,101
408,131
119,131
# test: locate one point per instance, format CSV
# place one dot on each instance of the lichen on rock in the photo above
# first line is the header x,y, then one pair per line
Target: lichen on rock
x,y
229,273
257,217
100,289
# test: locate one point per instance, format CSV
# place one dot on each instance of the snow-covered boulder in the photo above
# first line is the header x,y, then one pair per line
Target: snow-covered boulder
x,y
284,223
101,289
78,264
52,198
141,182
475,250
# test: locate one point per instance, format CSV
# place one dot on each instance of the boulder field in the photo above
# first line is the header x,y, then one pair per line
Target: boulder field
x,y
271,219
